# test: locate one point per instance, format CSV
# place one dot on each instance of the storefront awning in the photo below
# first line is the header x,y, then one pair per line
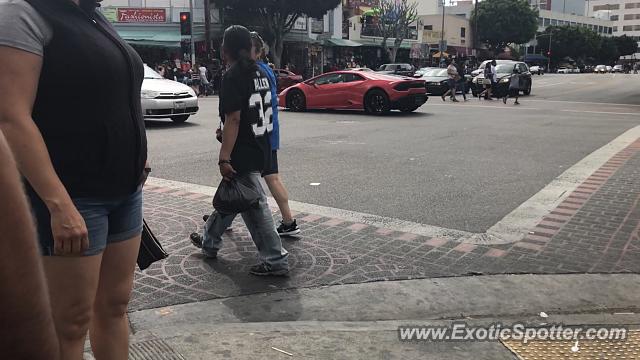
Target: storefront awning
x,y
157,37
341,42
377,42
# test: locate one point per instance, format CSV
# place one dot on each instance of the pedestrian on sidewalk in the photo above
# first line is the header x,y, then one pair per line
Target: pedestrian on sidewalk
x,y
288,225
83,158
514,86
452,80
245,153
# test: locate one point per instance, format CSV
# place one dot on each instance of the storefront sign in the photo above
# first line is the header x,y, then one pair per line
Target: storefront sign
x,y
317,26
300,24
131,15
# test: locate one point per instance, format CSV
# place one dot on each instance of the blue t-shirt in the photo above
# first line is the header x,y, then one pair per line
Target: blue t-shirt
x,y
273,83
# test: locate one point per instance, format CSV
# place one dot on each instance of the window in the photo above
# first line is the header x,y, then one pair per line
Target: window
x,y
463,41
615,29
554,22
463,32
352,78
629,16
614,17
609,30
629,6
600,29
627,28
329,79
540,21
428,27
547,22
636,28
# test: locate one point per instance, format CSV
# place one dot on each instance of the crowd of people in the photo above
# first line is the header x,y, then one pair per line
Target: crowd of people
x,y
203,77
80,201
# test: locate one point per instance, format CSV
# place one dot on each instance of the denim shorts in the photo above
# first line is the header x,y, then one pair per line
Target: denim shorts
x,y
108,221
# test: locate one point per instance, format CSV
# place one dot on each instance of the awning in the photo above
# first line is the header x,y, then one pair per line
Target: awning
x,y
342,42
535,57
157,37
437,55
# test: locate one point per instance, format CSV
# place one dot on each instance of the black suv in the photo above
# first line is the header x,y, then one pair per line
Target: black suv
x,y
504,70
396,69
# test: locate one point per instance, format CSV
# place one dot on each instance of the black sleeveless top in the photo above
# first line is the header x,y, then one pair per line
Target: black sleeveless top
x,y
88,102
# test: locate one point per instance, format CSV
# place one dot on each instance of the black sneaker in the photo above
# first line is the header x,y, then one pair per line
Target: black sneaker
x,y
196,240
288,230
265,269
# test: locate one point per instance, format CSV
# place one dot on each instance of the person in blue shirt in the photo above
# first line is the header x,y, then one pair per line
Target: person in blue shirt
x,y
288,225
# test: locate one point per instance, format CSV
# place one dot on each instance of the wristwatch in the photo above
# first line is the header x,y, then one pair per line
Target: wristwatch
x,y
220,162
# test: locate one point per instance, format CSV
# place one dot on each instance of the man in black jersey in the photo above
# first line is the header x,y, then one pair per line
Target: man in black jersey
x,y
245,106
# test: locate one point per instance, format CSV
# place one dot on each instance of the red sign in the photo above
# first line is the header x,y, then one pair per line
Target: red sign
x,y
131,15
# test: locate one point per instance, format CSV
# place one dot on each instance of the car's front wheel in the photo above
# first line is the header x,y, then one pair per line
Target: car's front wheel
x,y
527,91
296,101
179,119
376,102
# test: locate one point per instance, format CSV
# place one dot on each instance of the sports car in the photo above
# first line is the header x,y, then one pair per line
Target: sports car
x,y
360,90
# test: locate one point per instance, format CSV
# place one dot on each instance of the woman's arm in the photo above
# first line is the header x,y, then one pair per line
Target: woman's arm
x,y
26,315
18,85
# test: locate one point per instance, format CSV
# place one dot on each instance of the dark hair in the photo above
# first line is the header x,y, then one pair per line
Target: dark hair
x,y
487,65
257,42
237,45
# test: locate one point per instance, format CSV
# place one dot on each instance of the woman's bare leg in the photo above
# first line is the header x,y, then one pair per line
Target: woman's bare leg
x,y
109,326
72,282
281,195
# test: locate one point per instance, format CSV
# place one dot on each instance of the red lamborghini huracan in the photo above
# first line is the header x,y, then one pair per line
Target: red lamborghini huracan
x,y
359,90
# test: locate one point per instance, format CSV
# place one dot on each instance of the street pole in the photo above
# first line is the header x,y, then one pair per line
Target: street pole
x,y
442,36
549,59
475,30
207,27
193,49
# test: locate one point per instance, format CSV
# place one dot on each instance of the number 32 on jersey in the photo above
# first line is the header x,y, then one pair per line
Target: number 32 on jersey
x,y
262,103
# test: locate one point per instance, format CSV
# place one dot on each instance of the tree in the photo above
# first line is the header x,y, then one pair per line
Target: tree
x,y
276,17
501,22
578,43
608,51
394,20
626,45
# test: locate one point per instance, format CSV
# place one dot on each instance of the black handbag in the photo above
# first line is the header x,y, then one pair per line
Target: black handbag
x,y
235,196
150,248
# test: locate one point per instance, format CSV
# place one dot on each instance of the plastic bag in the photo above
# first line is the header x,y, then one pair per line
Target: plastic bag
x,y
235,196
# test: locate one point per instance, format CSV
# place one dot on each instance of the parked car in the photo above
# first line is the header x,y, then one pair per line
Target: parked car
x,y
420,72
536,69
601,69
436,82
564,70
163,98
504,71
357,90
618,69
480,68
609,68
396,69
286,78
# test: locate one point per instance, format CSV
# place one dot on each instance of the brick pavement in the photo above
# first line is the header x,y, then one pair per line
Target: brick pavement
x,y
596,229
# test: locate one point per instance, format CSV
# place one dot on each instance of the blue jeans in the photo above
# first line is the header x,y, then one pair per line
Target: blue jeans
x,y
260,223
108,220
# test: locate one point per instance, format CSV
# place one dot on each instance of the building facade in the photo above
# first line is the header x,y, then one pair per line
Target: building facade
x,y
574,7
624,14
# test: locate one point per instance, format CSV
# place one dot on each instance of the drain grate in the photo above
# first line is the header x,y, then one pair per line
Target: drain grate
x,y
628,349
153,350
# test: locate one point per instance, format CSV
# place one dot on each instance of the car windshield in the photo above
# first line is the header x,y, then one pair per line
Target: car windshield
x,y
150,74
436,72
505,68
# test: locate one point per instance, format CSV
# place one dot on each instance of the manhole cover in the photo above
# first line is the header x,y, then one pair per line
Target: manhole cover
x,y
628,349
153,350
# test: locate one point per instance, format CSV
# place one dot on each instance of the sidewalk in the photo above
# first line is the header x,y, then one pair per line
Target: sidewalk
x,y
594,230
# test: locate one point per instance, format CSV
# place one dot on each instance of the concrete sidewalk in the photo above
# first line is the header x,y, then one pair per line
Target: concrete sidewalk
x,y
360,321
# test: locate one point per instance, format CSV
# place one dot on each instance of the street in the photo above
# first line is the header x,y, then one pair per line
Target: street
x,y
400,215
455,166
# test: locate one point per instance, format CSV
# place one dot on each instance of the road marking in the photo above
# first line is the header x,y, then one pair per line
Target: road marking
x,y
504,107
545,85
600,112
510,229
581,102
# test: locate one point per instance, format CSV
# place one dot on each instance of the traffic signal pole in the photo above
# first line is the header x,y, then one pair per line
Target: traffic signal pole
x,y
193,49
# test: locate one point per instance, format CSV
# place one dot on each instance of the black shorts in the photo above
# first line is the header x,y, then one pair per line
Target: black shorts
x,y
273,168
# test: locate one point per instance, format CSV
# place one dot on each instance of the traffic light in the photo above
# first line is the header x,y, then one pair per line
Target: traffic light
x,y
185,23
548,53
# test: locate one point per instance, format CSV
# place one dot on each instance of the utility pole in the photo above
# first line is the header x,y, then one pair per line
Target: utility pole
x,y
475,30
549,59
193,48
207,26
442,36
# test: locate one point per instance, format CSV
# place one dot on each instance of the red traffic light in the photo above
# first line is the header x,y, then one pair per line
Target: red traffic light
x,y
183,17
549,53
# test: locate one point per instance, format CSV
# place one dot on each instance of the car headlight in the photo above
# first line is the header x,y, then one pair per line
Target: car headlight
x,y
504,80
149,94
192,93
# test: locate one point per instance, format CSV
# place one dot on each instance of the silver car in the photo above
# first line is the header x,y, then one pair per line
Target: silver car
x,y
163,98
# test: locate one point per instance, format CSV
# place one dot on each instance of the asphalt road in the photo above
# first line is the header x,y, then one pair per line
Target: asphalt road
x,y
460,166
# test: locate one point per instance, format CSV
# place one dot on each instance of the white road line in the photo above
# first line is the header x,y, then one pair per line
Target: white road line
x,y
545,85
510,229
580,102
600,112
503,107
347,215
